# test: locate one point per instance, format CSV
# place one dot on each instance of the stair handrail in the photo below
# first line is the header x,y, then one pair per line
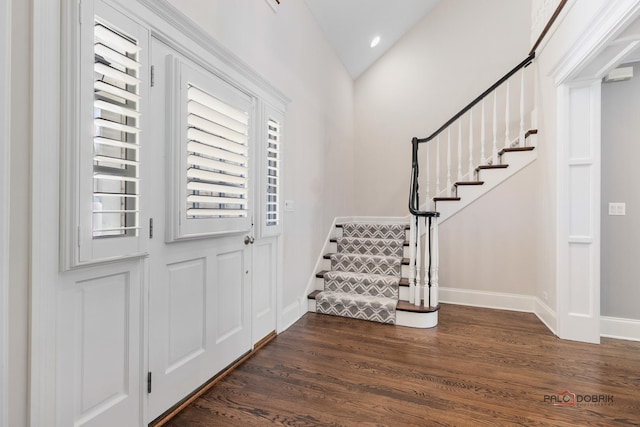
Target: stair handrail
x,y
414,202
525,63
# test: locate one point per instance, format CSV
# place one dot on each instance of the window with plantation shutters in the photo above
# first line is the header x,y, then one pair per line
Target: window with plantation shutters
x,y
213,195
116,124
113,75
217,161
273,173
271,182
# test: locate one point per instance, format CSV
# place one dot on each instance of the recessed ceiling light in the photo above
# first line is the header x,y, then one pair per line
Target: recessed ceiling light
x,y
375,41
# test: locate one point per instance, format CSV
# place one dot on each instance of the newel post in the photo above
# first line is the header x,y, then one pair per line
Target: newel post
x,y
434,298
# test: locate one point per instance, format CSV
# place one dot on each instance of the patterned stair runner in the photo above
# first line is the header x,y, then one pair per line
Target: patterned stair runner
x,y
365,273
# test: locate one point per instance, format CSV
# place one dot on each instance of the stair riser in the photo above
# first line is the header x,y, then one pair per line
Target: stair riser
x,y
326,265
338,233
379,288
403,290
413,320
333,248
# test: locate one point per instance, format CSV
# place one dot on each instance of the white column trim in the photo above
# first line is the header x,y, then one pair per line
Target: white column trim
x,y
5,187
45,209
605,26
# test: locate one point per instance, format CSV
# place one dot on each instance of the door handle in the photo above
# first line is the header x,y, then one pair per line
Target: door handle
x,y
248,240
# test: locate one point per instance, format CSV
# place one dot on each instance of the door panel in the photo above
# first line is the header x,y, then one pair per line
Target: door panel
x,y
264,277
229,299
187,307
99,333
199,288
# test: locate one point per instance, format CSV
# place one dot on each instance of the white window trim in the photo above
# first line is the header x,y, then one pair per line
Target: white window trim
x,y
46,83
180,73
5,152
78,246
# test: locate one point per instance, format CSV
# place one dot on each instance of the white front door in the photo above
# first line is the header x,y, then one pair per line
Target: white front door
x,y
199,283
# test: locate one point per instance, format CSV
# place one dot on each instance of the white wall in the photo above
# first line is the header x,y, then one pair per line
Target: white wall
x,y
451,56
289,50
620,269
491,245
19,219
5,150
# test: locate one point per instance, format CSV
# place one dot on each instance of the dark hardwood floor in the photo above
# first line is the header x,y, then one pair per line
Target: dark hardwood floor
x,y
477,367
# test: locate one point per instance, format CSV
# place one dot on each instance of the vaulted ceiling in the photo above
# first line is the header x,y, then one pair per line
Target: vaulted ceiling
x,y
350,26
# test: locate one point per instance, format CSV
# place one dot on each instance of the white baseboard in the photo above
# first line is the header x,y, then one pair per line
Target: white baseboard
x,y
291,314
496,300
545,314
623,329
501,301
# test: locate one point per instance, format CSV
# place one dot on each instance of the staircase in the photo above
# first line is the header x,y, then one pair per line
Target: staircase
x,y
365,276
389,273
486,177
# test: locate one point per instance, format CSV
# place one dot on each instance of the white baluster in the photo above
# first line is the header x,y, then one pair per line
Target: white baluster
x,y
494,150
470,146
434,298
416,289
449,159
507,138
412,256
483,139
437,166
460,149
521,141
426,193
427,255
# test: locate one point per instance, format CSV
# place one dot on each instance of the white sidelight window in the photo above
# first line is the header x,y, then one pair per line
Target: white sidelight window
x,y
272,158
109,181
213,144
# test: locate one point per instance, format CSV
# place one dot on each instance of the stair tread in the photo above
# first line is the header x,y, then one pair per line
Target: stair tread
x,y
359,297
403,280
469,183
402,305
405,261
335,240
515,150
406,226
407,306
446,199
313,294
531,132
483,167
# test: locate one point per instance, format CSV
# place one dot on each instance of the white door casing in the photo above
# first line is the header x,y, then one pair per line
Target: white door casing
x,y
578,77
579,212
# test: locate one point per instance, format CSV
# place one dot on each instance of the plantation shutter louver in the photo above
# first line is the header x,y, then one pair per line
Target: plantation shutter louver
x,y
217,157
273,173
116,163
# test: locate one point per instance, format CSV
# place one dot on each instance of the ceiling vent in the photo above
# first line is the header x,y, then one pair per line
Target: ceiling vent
x,y
619,75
